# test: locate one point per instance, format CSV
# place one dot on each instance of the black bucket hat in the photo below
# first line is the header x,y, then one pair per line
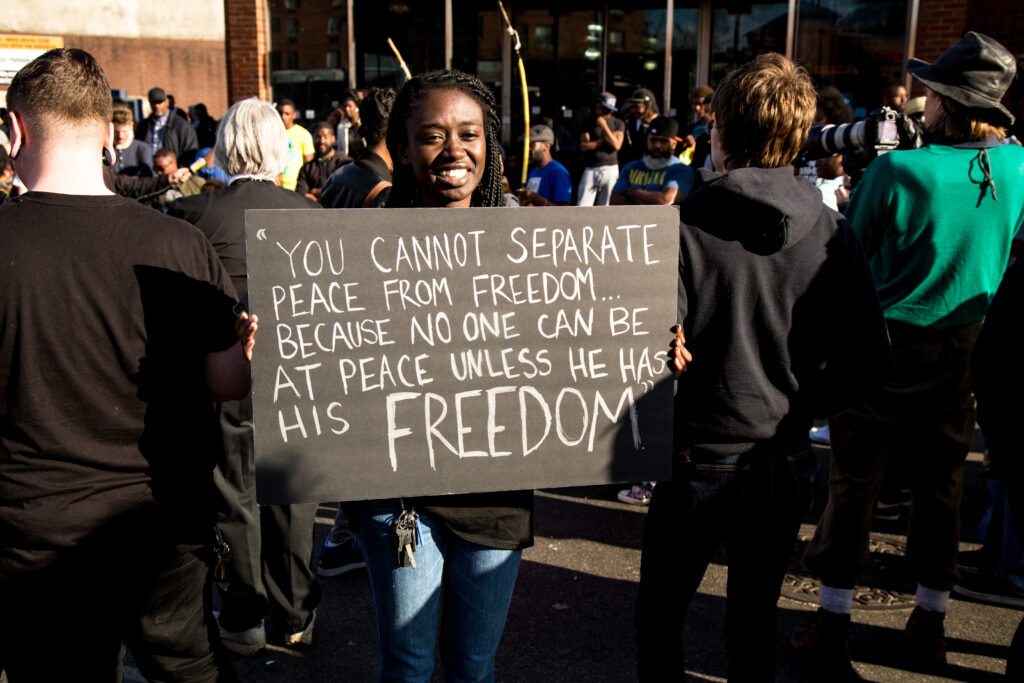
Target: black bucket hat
x,y
976,72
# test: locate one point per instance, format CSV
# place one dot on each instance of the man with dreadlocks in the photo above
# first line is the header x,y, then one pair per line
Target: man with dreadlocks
x,y
444,142
936,224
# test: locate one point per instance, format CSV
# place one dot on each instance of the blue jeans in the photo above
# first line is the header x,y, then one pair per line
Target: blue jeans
x,y
754,503
1001,537
477,590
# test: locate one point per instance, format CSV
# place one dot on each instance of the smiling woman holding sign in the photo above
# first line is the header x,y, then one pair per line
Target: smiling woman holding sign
x,y
445,139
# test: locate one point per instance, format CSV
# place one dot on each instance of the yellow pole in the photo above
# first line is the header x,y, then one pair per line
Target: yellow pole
x,y
526,93
401,62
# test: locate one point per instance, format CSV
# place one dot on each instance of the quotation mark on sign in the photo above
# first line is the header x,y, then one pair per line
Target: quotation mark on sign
x,y
647,388
261,234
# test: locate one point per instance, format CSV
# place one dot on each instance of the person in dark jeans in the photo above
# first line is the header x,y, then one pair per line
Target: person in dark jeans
x,y
760,259
997,373
269,572
937,225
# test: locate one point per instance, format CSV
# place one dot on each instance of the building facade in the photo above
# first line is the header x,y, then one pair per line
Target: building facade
x,y
177,46
574,50
310,50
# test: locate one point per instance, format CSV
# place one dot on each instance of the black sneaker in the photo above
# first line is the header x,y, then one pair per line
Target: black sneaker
x,y
338,559
990,588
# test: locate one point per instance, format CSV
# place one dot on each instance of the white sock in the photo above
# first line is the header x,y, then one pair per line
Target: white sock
x,y
835,600
931,599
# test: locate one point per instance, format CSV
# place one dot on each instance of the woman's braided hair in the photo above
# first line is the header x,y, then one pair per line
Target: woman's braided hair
x,y
405,190
375,112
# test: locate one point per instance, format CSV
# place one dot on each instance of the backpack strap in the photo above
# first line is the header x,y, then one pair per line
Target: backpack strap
x,y
368,202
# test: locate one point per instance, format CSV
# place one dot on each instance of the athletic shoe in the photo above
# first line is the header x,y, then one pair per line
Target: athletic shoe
x,y
245,643
636,495
338,559
303,637
820,435
924,638
989,588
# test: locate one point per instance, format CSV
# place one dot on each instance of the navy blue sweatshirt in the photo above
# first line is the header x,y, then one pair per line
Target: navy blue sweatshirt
x,y
779,311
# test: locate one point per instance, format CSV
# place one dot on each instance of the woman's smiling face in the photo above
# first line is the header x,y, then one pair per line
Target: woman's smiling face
x,y
446,147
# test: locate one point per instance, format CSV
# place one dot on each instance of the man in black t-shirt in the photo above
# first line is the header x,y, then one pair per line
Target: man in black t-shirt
x,y
600,145
116,332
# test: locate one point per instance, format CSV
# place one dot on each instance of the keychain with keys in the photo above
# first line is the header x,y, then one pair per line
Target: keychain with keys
x,y
407,537
223,552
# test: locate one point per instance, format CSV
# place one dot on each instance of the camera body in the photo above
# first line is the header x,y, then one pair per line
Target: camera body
x,y
877,134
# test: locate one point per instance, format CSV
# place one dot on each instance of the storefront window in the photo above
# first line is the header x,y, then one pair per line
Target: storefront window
x,y
684,64
854,45
741,31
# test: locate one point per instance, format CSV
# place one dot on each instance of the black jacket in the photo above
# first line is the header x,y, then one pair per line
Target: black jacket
x,y
350,185
178,136
779,311
314,173
220,215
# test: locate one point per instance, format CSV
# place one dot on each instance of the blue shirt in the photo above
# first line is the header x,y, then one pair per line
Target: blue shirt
x,y
676,175
551,182
212,172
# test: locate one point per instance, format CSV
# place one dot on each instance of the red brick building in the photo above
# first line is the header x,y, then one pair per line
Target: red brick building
x,y
216,53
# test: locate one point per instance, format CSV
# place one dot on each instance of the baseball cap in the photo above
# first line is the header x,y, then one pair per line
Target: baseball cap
x,y
607,100
542,133
665,127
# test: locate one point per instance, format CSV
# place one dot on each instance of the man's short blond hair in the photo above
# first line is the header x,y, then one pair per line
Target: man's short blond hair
x,y
764,110
122,115
60,92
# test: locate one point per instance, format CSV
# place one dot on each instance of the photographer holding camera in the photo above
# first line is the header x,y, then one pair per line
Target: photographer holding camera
x,y
936,224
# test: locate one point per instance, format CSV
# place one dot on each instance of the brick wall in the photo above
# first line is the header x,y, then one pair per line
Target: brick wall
x,y
1001,19
246,45
940,23
943,22
191,70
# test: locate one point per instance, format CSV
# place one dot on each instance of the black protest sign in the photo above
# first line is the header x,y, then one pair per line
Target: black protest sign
x,y
410,352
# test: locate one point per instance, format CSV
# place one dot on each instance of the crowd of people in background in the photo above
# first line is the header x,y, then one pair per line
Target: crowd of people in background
x,y
811,288
565,168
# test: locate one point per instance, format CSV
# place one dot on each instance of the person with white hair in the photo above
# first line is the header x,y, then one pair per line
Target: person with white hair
x,y
261,579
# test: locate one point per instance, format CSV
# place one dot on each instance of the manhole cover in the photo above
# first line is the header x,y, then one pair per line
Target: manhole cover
x,y
886,583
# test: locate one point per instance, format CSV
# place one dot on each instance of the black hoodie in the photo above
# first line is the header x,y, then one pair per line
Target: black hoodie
x,y
779,311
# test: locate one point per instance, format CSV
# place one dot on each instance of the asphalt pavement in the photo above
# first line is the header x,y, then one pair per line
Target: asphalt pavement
x,y
572,613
